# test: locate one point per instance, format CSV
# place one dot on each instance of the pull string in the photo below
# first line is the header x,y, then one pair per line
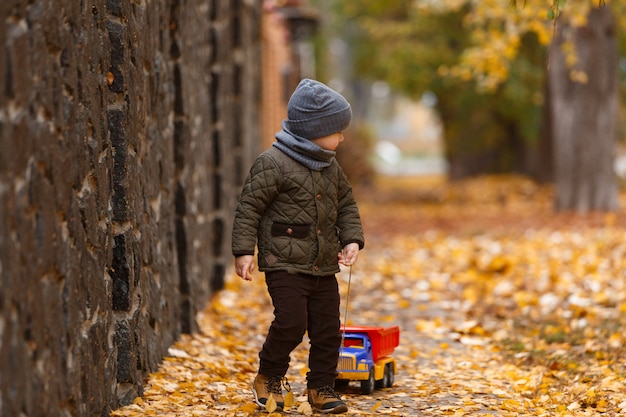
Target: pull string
x,y
345,316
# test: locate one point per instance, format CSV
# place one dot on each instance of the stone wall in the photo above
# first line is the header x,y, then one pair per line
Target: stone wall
x,y
126,130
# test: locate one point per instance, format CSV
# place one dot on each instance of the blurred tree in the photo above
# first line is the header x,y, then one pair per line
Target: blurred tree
x,y
354,155
486,62
583,86
584,108
416,50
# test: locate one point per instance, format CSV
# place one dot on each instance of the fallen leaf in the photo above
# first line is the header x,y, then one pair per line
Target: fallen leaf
x,y
376,406
305,408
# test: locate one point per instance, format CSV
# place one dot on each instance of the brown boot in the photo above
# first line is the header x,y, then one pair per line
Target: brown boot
x,y
326,400
263,387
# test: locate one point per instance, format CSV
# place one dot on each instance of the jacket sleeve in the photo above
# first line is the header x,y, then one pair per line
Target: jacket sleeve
x,y
348,217
259,190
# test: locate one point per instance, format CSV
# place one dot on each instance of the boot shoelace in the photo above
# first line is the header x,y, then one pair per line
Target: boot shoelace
x,y
328,392
275,384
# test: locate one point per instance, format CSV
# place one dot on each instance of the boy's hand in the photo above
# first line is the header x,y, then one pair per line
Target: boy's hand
x,y
349,254
244,266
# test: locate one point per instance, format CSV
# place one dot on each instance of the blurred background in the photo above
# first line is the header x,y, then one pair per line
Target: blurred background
x,y
464,88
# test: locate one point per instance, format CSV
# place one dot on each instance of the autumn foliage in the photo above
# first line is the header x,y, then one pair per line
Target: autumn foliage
x,y
504,307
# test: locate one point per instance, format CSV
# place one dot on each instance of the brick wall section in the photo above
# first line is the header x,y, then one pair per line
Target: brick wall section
x,y
285,24
277,63
126,128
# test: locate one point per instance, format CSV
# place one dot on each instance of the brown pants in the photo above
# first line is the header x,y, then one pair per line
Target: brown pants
x,y
303,303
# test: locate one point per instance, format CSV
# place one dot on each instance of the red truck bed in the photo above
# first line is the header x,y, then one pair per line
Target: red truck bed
x,y
384,339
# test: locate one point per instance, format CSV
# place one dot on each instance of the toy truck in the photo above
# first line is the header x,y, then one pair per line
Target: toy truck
x,y
365,357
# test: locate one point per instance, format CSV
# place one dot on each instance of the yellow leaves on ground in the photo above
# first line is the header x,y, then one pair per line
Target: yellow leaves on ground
x,y
305,409
545,297
271,405
289,400
504,308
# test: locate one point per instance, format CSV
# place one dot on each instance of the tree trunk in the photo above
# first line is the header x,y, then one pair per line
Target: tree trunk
x,y
584,115
539,155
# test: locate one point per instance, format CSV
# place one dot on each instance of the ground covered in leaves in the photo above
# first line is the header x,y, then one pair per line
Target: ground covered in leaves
x,y
505,309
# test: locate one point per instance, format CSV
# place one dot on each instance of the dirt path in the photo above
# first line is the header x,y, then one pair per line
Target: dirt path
x,y
504,310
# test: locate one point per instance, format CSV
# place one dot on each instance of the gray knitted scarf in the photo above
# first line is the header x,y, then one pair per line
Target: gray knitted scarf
x,y
303,150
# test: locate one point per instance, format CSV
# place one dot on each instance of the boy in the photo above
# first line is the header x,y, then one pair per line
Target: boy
x,y
298,206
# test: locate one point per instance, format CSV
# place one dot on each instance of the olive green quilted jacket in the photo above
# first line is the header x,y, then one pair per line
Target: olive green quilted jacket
x,y
300,218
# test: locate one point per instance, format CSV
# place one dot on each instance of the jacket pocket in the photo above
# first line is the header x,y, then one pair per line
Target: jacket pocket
x,y
296,231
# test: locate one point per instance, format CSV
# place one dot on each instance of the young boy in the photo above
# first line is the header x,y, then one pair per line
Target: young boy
x,y
298,206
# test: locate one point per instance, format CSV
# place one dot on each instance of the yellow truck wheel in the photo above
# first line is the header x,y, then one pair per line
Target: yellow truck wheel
x,y
389,375
367,386
384,381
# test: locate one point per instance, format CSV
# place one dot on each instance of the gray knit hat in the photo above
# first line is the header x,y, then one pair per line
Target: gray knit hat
x,y
315,110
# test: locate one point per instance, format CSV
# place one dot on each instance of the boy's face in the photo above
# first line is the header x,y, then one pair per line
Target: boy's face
x,y
330,142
